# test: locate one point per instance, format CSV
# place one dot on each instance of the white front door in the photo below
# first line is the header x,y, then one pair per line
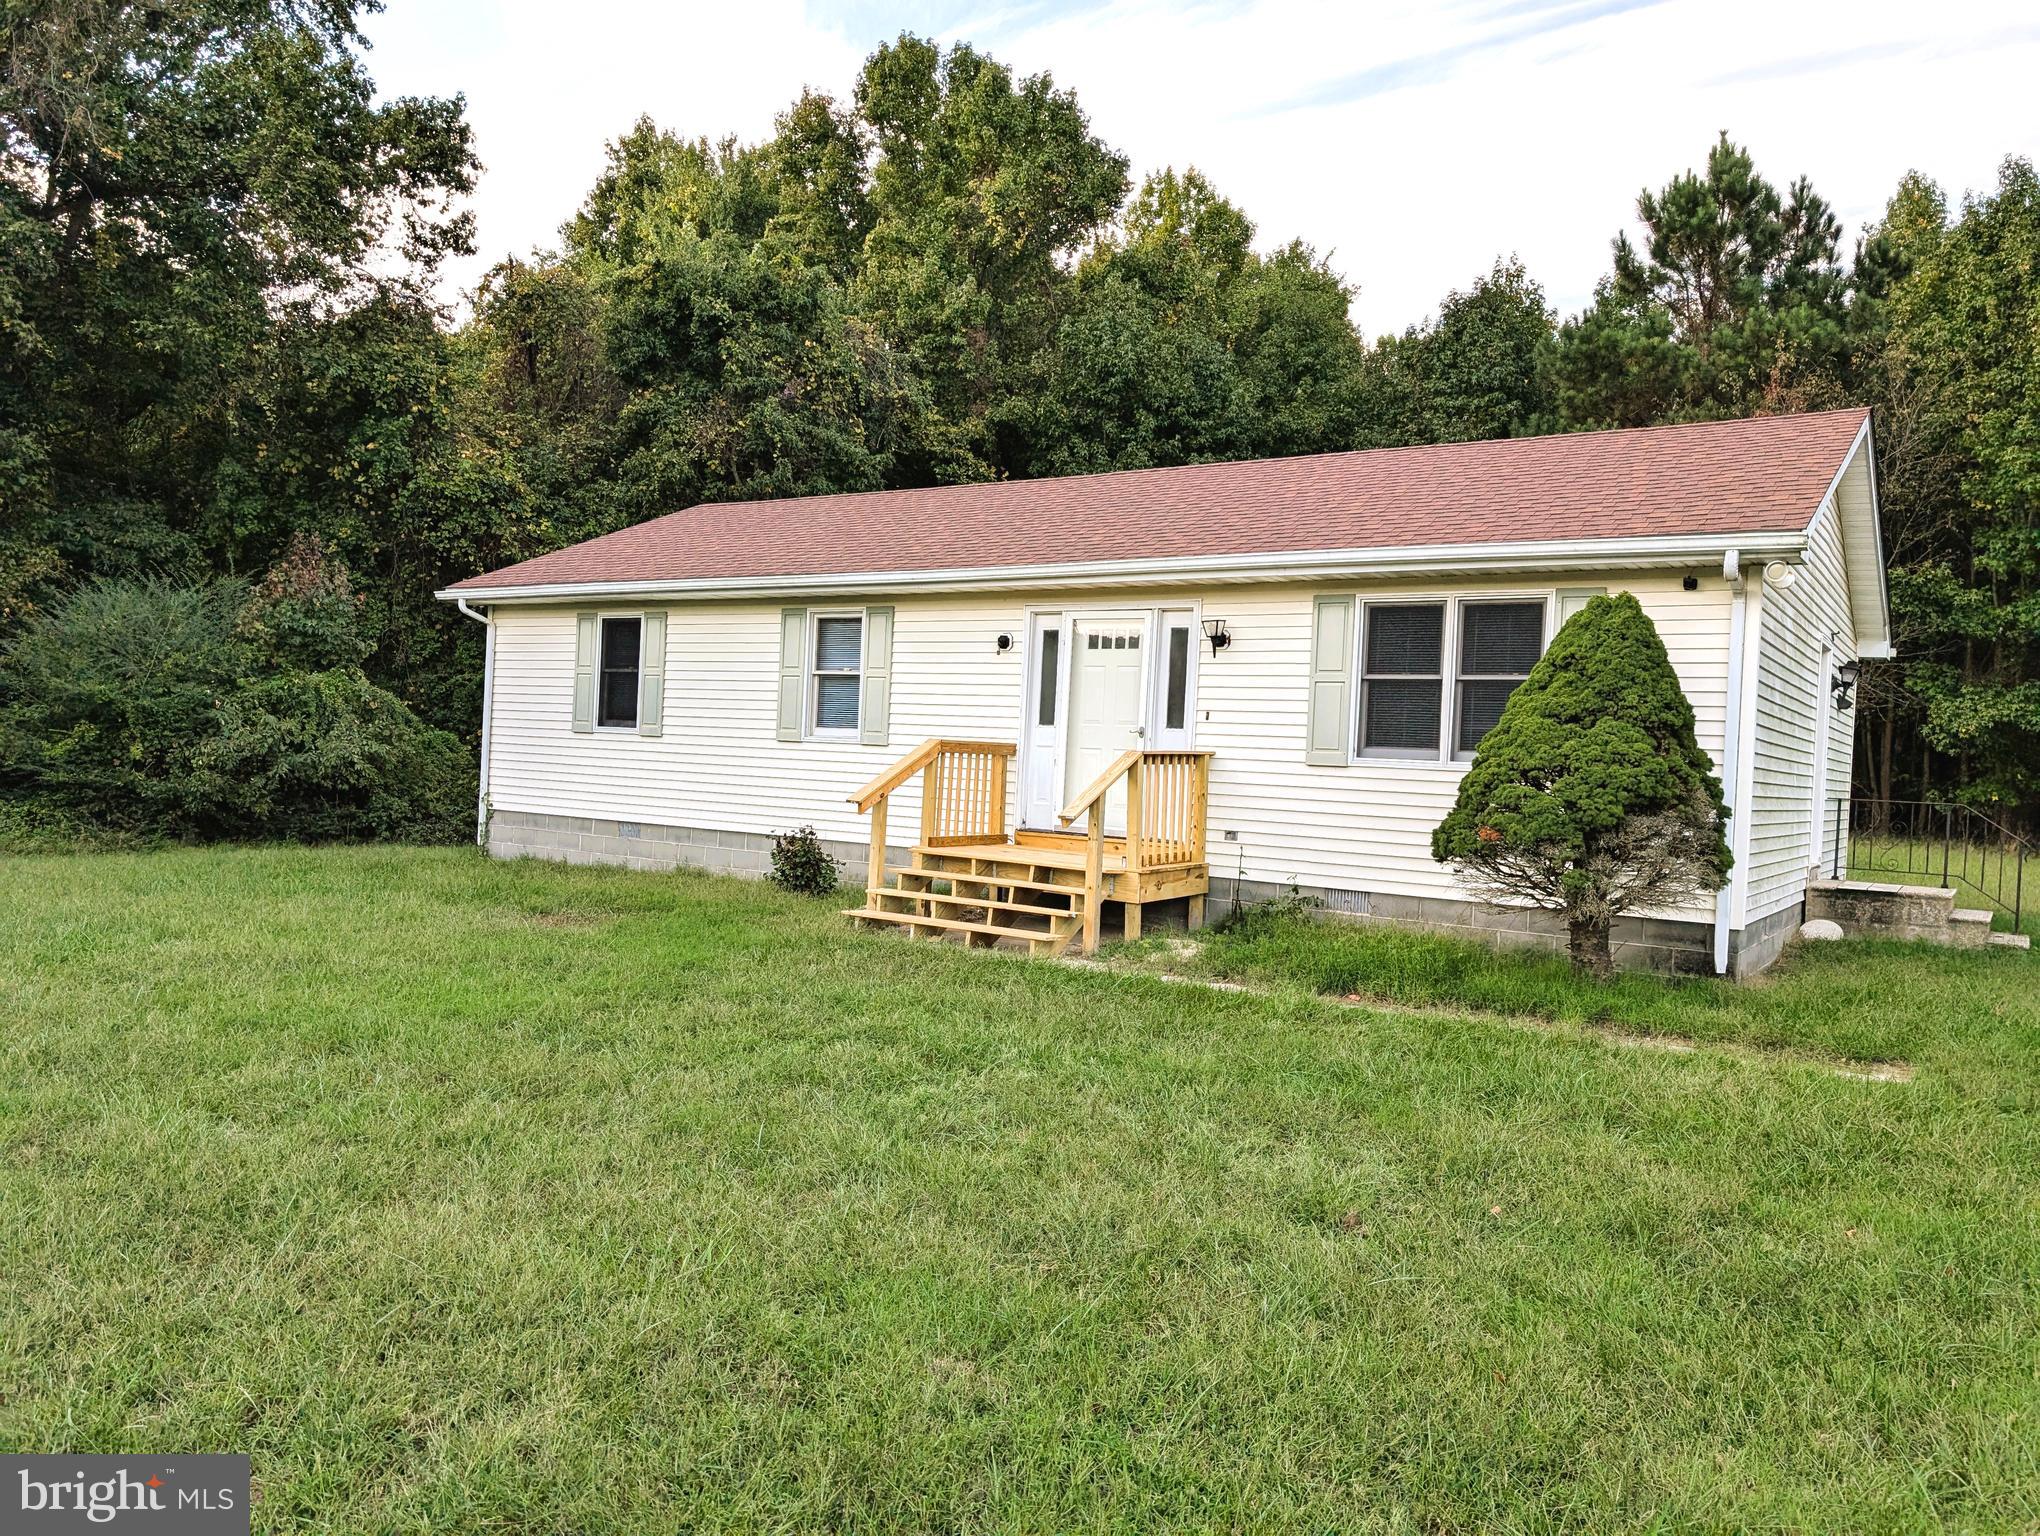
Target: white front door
x,y
1107,694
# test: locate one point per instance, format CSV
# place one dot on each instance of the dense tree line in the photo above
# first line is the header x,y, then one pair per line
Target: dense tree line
x,y
216,336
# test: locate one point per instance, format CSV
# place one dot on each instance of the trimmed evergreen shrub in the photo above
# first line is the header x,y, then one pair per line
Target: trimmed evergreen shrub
x,y
1591,797
801,864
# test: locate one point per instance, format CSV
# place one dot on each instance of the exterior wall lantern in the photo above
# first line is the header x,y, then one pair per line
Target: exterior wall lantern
x,y
1845,683
1214,631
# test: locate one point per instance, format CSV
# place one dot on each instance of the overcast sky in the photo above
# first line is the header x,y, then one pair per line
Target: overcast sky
x,y
1412,142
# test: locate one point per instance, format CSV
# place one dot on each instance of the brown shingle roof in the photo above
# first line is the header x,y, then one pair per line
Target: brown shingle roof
x,y
1766,475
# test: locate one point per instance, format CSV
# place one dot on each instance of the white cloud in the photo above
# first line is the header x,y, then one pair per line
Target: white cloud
x,y
1415,142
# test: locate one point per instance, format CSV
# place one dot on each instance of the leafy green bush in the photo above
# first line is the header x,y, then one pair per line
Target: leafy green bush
x,y
324,755
1591,796
801,864
104,696
145,708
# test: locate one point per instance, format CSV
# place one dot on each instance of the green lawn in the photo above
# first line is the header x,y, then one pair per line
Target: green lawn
x,y
524,1198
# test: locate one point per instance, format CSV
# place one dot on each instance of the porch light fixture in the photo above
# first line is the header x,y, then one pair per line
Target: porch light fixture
x,y
1845,683
1214,631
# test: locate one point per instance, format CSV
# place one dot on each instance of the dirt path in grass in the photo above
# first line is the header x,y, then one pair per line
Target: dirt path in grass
x,y
1607,1034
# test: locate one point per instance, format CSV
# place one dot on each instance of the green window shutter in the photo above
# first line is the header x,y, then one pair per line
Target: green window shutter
x,y
1329,735
651,709
875,717
792,671
1572,599
587,642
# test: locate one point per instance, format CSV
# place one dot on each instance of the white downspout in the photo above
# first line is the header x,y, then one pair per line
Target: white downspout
x,y
1731,751
1745,633
488,621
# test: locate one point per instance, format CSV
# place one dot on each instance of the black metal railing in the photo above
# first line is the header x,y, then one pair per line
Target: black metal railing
x,y
1932,842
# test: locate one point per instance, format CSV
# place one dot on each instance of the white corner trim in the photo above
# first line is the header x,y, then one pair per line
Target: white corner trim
x,y
1655,551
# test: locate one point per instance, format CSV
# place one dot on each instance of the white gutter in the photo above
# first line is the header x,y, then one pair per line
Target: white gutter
x,y
1745,630
488,621
1294,565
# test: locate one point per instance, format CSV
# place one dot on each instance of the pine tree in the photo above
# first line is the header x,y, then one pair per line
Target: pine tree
x,y
1591,797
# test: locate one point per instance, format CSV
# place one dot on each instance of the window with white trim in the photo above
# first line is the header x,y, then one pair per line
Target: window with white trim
x,y
617,685
835,673
1432,675
1402,679
1499,642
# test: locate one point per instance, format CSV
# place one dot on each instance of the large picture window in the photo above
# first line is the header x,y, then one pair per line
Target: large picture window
x,y
838,673
1402,679
1498,645
617,694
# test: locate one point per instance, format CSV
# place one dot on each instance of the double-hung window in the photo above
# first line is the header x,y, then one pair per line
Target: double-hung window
x,y
617,686
1499,642
1402,679
1434,674
836,679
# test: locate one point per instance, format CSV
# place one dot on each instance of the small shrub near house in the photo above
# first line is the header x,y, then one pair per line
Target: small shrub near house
x,y
139,709
801,864
1591,797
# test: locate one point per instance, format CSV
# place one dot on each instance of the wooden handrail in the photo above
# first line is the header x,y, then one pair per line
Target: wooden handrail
x,y
918,759
1096,790
896,775
963,795
1114,771
1166,794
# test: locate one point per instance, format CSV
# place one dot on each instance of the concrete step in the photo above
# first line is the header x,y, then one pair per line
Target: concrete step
x,y
2011,941
1969,928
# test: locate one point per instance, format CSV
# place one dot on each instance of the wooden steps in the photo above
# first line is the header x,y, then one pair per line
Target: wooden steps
x,y
1041,888
995,897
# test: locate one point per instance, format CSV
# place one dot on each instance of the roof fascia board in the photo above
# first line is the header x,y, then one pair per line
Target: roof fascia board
x,y
1883,650
1855,446
1298,565
1879,649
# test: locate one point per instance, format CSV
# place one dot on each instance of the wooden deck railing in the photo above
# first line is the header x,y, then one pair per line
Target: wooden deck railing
x,y
1165,799
963,795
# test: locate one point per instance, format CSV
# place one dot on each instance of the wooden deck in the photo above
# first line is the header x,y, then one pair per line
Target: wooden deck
x,y
968,878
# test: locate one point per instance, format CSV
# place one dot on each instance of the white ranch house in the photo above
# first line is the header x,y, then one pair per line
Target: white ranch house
x,y
1062,701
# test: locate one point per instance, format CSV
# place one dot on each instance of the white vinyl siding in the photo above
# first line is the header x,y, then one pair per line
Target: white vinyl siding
x,y
720,763
1789,679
